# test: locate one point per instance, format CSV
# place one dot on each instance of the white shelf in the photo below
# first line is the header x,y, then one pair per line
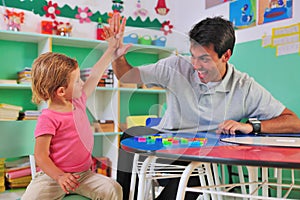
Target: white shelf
x,y
80,42
15,86
21,36
139,90
107,133
24,86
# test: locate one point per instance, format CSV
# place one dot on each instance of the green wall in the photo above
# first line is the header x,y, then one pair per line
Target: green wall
x,y
278,74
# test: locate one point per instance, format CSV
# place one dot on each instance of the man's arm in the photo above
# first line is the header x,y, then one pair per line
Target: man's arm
x,y
286,122
125,72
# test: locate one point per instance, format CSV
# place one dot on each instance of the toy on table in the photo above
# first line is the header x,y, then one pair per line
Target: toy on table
x,y
169,140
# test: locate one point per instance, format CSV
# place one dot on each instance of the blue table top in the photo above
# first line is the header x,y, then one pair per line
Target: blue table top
x,y
139,144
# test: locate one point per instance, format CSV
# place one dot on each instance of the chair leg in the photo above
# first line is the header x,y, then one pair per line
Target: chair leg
x,y
133,176
32,166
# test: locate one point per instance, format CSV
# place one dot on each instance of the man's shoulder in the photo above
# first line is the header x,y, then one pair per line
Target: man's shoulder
x,y
241,78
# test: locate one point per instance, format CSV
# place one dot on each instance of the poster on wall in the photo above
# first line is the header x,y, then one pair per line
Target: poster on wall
x,y
274,10
242,13
212,3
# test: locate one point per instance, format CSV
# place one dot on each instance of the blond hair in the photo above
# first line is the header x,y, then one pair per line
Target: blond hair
x,y
49,72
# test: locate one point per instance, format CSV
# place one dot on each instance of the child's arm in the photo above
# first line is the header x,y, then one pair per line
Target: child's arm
x,y
113,39
67,181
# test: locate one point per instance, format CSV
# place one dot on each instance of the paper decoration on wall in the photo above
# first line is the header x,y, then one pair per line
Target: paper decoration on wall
x,y
274,10
161,7
243,13
285,39
117,6
13,20
36,6
51,10
212,3
166,27
84,15
140,11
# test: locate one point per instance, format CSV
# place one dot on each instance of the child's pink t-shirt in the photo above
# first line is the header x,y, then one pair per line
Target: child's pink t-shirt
x,y
72,137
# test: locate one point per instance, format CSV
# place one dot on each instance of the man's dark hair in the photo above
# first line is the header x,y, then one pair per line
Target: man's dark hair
x,y
214,31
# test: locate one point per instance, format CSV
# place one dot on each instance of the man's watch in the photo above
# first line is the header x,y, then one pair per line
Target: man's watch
x,y
256,125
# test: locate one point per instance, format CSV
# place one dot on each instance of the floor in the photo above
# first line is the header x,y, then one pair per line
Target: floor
x,y
16,195
12,195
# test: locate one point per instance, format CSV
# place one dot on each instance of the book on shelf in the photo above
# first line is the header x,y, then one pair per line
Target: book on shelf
x,y
18,182
19,173
107,79
12,164
8,81
29,115
9,112
24,76
10,107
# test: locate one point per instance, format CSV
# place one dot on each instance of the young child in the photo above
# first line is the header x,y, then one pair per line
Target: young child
x,y
64,139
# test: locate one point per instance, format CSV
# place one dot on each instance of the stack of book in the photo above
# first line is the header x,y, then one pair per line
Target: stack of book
x,y
24,76
9,112
107,79
2,182
29,115
17,172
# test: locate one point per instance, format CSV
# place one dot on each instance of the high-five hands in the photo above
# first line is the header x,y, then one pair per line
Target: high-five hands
x,y
116,30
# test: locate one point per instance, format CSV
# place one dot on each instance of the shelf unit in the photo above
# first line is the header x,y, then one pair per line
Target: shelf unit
x,y
19,49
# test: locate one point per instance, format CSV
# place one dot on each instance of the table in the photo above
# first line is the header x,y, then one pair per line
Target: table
x,y
217,151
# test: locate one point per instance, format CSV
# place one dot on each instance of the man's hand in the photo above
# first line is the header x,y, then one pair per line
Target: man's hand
x,y
231,126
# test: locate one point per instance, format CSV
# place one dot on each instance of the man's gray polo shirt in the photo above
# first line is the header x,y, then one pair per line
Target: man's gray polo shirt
x,y
195,105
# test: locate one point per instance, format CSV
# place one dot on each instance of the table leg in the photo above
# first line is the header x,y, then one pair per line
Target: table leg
x,y
142,177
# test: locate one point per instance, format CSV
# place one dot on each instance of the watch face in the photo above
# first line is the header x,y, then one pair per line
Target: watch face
x,y
256,127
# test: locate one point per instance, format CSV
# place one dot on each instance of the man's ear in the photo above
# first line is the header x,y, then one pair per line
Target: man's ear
x,y
227,55
61,91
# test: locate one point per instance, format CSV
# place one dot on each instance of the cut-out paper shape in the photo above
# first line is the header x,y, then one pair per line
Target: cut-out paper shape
x,y
140,11
166,27
51,10
161,7
84,15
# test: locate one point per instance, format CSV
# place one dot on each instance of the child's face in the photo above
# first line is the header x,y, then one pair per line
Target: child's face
x,y
74,89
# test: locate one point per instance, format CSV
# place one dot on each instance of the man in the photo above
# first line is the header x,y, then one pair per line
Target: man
x,y
205,92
